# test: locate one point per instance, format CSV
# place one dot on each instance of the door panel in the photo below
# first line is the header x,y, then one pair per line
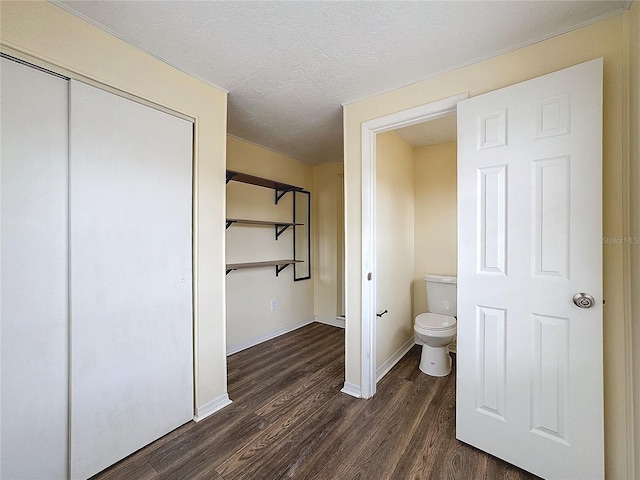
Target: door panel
x,y
530,237
493,216
550,214
131,302
34,287
491,360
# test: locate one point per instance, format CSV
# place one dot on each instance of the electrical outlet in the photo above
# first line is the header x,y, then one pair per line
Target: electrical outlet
x,y
274,304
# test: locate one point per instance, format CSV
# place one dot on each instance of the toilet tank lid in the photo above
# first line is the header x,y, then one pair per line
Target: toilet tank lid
x,y
440,279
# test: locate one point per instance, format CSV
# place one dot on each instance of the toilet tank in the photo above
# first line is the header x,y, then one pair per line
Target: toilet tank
x,y
442,294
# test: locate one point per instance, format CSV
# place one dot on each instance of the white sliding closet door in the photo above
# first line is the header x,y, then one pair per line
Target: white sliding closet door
x,y
130,266
33,280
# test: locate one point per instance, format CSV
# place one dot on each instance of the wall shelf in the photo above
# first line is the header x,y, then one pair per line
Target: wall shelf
x,y
279,264
280,227
280,188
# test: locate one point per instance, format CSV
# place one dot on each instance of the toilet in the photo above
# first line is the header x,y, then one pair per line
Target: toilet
x,y
436,329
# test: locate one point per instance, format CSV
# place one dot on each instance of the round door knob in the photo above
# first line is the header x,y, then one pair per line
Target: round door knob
x,y
584,300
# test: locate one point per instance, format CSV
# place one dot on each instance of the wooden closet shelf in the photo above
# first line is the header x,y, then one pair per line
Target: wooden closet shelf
x,y
280,227
246,221
280,190
279,264
259,181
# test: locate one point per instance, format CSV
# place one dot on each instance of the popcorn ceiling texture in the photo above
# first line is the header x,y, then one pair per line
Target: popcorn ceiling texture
x,y
289,66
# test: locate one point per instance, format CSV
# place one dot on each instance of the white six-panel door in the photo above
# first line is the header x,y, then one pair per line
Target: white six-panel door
x,y
530,387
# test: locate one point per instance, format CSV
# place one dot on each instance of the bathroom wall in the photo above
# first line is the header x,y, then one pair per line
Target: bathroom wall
x,y
602,39
435,216
326,216
249,292
395,247
431,173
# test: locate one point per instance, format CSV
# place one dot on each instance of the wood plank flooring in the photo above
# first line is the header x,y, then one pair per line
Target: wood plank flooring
x,y
289,420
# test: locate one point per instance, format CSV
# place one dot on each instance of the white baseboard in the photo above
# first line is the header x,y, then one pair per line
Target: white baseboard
x,y
212,407
257,340
395,358
352,389
334,322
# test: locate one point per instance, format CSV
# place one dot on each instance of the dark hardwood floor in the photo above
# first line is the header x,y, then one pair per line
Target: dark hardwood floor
x,y
290,420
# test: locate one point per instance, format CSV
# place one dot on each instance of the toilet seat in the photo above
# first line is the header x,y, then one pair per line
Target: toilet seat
x,y
435,321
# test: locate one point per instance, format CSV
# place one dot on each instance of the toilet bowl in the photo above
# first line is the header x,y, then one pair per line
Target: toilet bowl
x,y
436,329
435,333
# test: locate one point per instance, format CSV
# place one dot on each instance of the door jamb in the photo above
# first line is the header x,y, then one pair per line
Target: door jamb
x,y
370,129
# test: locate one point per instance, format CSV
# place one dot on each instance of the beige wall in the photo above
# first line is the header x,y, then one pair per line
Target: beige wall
x,y
633,33
436,241
602,39
43,33
326,214
395,245
249,292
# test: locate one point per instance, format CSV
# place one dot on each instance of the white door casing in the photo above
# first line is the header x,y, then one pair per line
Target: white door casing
x,y
529,362
370,129
130,277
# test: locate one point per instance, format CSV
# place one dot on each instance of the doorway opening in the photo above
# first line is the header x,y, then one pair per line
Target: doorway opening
x,y
369,281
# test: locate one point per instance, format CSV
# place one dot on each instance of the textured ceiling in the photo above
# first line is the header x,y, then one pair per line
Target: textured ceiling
x,y
289,66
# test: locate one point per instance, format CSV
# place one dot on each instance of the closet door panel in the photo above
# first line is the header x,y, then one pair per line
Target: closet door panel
x,y
131,279
33,278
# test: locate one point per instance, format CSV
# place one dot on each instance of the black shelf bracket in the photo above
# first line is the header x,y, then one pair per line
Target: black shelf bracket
x,y
280,268
230,176
229,270
228,224
280,192
280,229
